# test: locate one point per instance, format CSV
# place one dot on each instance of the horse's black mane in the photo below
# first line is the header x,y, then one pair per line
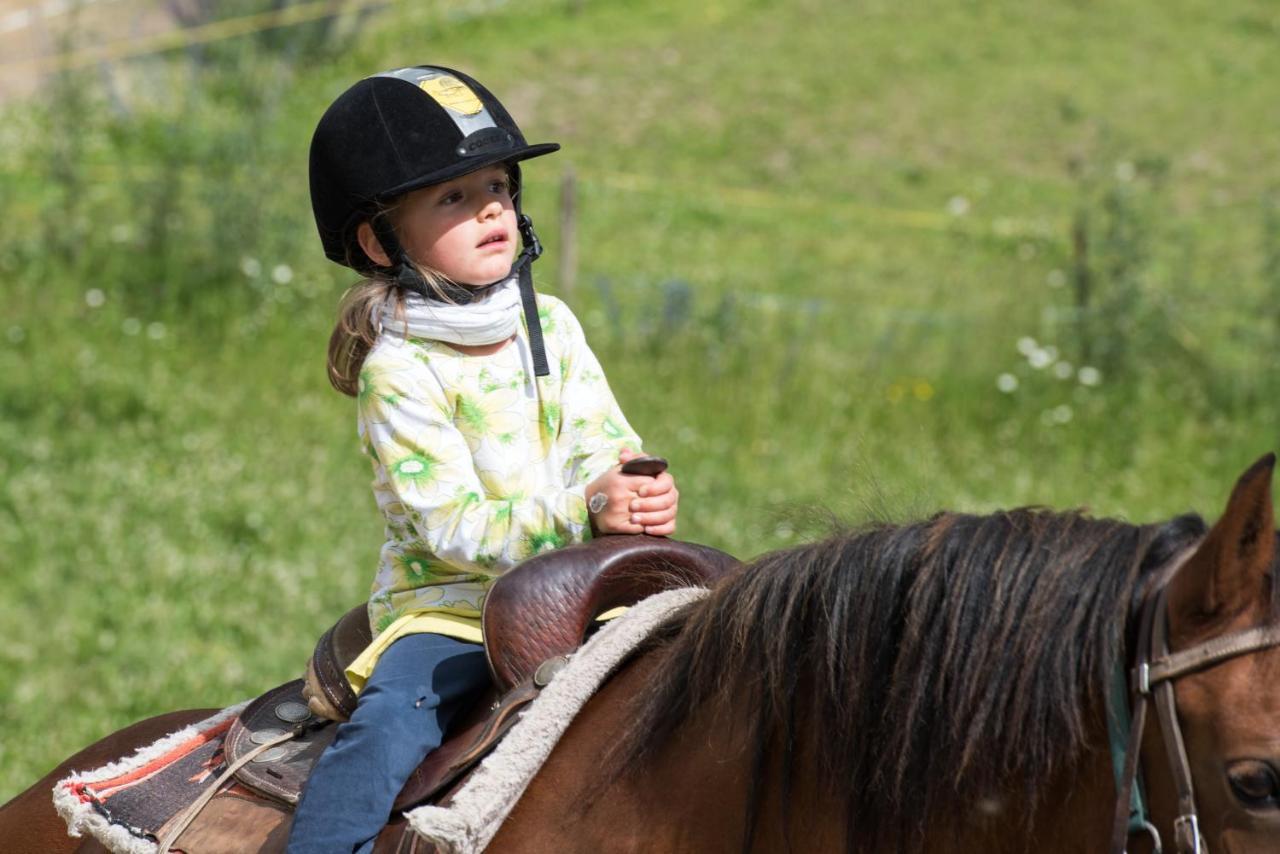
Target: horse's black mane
x,y
945,661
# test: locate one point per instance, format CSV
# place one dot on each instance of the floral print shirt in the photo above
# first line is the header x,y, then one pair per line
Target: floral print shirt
x,y
478,464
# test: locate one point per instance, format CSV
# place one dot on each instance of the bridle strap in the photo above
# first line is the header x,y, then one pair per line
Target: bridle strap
x,y
1138,701
1158,679
1186,827
1210,652
1122,825
1154,672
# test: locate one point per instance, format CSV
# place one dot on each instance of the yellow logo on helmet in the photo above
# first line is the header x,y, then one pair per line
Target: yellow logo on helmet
x,y
452,94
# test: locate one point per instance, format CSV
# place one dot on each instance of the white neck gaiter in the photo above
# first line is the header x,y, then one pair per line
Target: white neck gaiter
x,y
490,319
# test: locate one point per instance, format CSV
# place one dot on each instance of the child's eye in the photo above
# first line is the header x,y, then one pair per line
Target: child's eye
x,y
450,198
500,186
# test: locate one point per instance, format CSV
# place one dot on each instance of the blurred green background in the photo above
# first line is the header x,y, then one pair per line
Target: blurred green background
x,y
840,258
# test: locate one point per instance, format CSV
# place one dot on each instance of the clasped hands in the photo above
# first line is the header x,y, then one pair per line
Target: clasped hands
x,y
637,503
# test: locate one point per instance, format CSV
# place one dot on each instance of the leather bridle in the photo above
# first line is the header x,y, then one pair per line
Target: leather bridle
x,y
1151,679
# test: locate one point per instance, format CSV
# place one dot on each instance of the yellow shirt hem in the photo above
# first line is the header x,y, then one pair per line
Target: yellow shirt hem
x,y
414,623
418,622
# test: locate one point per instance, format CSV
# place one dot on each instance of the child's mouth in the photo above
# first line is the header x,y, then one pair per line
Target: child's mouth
x,y
495,237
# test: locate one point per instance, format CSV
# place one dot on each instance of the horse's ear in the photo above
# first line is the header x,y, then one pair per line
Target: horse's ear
x,y
1227,572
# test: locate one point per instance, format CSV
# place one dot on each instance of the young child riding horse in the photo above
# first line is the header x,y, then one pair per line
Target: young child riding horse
x,y
492,431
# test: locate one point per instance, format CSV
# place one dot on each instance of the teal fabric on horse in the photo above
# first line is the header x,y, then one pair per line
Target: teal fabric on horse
x,y
1118,724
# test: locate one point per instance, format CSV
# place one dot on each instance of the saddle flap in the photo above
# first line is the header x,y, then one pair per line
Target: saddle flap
x,y
280,772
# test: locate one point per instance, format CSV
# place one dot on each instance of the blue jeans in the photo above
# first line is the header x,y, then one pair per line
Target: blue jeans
x,y
419,684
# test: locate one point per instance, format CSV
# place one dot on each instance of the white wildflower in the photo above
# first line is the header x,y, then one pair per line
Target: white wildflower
x,y
131,326
1040,358
251,267
1063,370
1089,376
1007,383
1027,345
155,330
957,206
282,274
94,298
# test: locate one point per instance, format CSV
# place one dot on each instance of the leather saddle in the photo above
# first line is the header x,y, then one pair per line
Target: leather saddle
x,y
534,615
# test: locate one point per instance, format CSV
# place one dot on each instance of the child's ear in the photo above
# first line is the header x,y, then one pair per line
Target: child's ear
x,y
371,245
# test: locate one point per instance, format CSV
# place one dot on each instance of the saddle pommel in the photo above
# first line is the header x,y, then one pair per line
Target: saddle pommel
x,y
545,606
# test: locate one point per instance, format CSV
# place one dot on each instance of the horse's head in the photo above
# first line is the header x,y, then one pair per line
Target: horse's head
x,y
1229,712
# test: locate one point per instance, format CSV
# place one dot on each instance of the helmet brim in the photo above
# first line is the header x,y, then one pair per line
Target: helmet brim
x,y
467,166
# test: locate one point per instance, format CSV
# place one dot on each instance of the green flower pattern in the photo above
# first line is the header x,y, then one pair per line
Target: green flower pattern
x,y
476,467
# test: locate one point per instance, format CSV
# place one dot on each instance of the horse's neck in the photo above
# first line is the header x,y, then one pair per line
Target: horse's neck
x,y
692,796
1074,813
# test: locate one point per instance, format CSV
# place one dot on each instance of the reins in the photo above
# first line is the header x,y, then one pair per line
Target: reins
x,y
1151,678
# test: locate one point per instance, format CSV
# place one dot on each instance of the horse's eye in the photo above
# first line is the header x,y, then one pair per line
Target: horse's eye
x,y
1255,784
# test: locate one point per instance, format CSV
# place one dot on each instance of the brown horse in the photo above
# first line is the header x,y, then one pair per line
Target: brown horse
x,y
938,686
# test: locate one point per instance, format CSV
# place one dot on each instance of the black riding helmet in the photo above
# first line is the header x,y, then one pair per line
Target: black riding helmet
x,y
402,130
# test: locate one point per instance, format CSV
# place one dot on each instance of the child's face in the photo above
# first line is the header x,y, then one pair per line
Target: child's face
x,y
464,228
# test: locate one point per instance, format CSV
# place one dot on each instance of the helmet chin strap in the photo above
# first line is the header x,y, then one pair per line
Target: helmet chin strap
x,y
532,249
408,277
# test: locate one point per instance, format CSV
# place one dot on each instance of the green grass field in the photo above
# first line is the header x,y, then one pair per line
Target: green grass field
x,y
816,240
